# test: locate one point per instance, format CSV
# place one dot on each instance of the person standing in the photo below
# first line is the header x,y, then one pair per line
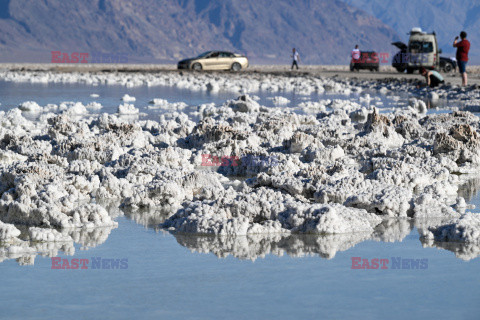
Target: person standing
x,y
462,55
356,53
355,58
296,58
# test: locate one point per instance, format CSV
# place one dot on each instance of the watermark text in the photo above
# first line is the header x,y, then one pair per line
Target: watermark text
x,y
93,263
359,263
85,57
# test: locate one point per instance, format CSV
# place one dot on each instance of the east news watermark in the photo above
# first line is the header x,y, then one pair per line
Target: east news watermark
x,y
383,57
95,263
88,57
234,161
394,263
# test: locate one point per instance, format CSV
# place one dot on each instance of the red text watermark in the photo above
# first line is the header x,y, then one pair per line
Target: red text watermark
x,y
93,263
85,57
247,160
359,263
214,161
383,57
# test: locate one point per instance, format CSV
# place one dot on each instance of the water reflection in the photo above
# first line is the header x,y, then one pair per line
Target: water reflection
x,y
249,247
464,251
469,189
149,218
252,247
393,230
25,251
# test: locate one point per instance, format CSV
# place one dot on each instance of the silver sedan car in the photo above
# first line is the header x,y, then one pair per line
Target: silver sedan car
x,y
215,60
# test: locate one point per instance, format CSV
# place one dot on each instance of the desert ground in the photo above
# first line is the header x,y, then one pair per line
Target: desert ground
x,y
331,71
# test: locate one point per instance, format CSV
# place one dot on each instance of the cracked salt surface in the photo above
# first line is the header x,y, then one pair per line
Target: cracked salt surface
x,y
342,170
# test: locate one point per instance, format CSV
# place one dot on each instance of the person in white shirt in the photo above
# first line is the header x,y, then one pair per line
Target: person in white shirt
x,y
356,53
296,58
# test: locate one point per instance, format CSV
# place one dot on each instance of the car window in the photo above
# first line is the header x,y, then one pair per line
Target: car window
x,y
415,46
421,47
226,55
214,55
427,47
205,54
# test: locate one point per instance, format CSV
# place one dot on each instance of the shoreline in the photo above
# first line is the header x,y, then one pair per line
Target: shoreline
x,y
386,72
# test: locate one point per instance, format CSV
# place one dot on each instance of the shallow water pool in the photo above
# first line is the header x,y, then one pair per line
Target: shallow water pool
x,y
166,280
109,96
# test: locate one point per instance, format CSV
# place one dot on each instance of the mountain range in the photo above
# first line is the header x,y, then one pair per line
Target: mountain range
x,y
152,31
168,30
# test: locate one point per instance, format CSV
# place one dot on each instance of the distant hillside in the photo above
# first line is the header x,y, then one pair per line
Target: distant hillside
x,y
446,17
167,30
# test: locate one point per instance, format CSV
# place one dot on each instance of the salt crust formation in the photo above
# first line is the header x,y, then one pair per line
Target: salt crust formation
x,y
343,171
190,81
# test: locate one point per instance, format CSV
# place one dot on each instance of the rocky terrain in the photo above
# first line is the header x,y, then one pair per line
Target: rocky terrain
x,y
340,169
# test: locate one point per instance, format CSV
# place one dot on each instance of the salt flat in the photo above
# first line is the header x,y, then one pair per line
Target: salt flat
x,y
342,169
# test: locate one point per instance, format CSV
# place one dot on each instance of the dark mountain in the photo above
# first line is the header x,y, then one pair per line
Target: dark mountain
x,y
446,17
167,30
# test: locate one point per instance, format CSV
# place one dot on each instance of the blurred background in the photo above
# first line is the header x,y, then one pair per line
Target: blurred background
x,y
164,31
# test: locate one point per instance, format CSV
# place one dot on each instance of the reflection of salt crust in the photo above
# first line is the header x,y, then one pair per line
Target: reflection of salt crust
x,y
49,242
128,98
464,229
279,100
256,246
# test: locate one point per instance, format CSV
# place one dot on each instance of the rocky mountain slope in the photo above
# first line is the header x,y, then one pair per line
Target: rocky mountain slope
x,y
167,30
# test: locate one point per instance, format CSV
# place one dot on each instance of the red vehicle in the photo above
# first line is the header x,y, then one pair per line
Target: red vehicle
x,y
368,60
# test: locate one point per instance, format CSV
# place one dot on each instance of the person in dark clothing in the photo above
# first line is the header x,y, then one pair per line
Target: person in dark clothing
x,y
462,55
296,58
432,77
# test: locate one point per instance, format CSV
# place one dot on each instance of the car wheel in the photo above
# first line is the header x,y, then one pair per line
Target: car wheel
x,y
401,70
236,67
448,68
410,70
197,66
377,68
